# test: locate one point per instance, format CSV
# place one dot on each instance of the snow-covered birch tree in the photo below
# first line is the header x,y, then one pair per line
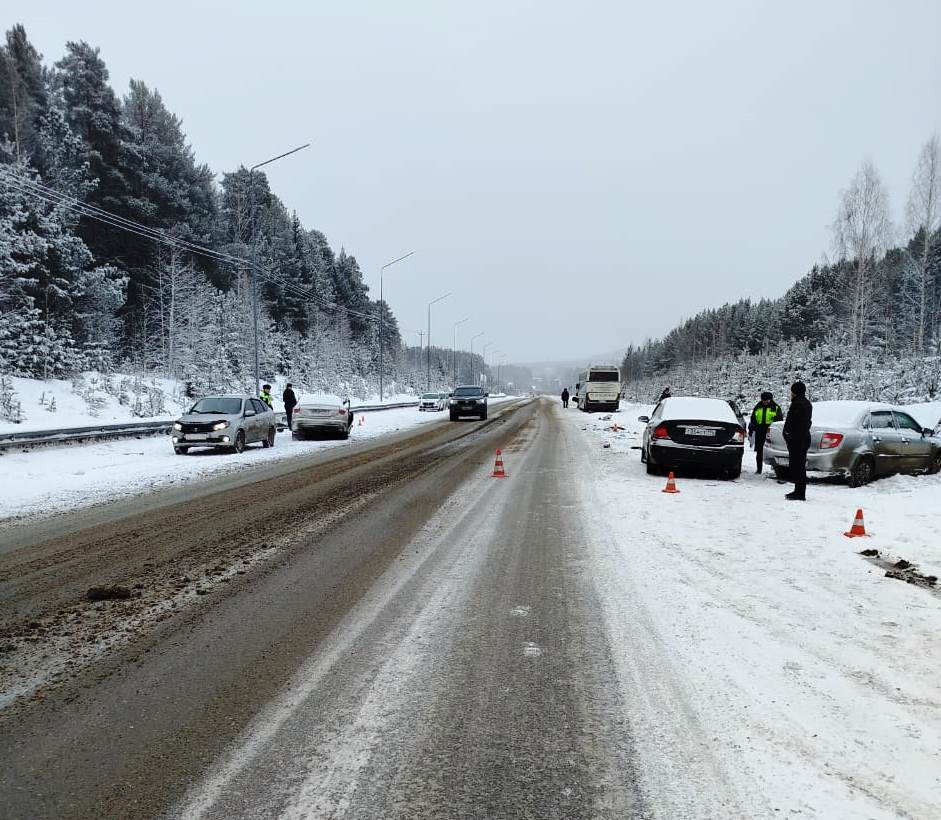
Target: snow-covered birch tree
x,y
862,232
924,220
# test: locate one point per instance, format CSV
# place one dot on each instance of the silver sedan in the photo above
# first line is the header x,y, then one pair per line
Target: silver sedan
x,y
322,417
224,422
860,441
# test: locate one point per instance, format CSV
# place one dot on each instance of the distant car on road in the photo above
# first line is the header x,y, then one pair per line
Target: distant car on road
x,y
224,422
860,441
693,432
468,400
322,416
433,402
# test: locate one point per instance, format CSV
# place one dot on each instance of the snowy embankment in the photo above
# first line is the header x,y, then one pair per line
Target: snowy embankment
x,y
53,479
93,398
815,679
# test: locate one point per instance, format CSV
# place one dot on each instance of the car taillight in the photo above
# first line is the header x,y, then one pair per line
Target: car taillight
x,y
739,435
661,432
830,440
341,411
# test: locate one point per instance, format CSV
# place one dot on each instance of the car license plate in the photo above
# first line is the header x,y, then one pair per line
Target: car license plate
x,y
783,462
700,431
197,436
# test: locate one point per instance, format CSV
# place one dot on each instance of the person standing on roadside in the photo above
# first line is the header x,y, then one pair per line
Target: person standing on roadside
x,y
265,395
797,436
765,413
290,402
565,397
666,394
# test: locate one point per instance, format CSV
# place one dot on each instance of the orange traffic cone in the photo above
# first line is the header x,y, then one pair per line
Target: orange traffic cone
x,y
859,527
671,484
498,471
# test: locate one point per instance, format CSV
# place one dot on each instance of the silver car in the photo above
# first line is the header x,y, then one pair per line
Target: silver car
x,y
226,422
859,441
334,417
433,402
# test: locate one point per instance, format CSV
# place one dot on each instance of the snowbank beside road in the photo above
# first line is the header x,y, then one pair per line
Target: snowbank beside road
x,y
52,479
813,676
96,399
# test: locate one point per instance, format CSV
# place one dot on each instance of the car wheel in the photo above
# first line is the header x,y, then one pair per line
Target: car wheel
x,y
239,444
269,439
181,451
862,472
734,472
483,417
652,469
453,417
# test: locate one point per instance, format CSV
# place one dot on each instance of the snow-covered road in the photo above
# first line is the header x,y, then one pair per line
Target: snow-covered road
x,y
813,676
50,480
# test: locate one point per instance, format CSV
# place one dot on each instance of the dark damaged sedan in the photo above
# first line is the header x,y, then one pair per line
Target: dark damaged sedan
x,y
684,432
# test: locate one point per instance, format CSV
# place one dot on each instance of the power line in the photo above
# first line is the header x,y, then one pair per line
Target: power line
x,y
54,197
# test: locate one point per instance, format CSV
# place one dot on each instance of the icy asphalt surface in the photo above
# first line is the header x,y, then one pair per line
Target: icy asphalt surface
x,y
391,633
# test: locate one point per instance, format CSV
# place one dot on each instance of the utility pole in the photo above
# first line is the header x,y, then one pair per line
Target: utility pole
x,y
382,310
432,302
472,368
254,262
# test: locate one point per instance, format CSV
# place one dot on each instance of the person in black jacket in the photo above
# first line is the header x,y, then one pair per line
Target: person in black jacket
x,y
565,397
290,402
764,414
797,436
666,394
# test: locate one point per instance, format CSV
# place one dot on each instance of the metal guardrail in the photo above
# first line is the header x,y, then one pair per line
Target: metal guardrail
x,y
132,429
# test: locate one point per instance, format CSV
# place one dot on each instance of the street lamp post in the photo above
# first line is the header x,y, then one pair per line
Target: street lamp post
x,y
472,353
251,200
454,351
483,357
432,302
382,310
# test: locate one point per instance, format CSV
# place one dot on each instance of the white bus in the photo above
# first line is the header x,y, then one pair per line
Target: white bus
x,y
598,388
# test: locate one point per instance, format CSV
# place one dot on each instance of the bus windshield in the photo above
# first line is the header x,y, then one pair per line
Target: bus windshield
x,y
604,376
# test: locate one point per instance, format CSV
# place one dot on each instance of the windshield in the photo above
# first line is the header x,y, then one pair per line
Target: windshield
x,y
469,391
228,407
604,376
429,396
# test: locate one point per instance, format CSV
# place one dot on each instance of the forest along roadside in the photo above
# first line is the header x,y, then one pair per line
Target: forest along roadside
x,y
112,577
813,677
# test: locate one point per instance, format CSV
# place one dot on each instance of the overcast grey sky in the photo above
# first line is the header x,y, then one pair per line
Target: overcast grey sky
x,y
580,175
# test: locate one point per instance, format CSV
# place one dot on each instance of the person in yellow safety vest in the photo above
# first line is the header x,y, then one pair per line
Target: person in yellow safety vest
x,y
265,395
766,412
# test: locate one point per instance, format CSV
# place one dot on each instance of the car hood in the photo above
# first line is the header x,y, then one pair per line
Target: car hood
x,y
206,418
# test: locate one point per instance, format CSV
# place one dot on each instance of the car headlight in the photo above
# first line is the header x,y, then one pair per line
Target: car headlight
x,y
177,425
452,403
220,425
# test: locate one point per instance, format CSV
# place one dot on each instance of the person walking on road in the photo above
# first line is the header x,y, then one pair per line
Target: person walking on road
x,y
290,402
565,397
265,395
797,436
765,413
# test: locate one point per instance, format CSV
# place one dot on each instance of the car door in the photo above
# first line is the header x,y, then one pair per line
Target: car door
x,y
262,420
916,447
886,442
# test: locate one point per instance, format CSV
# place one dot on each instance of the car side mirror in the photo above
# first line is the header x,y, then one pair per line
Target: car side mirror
x,y
486,395
644,419
927,431
249,413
